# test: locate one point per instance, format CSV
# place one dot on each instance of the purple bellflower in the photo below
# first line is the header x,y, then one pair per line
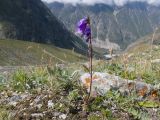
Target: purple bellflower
x,y
83,28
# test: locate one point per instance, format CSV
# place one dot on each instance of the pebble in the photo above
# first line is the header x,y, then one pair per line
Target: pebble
x,y
63,116
37,115
12,103
56,114
156,61
39,106
50,104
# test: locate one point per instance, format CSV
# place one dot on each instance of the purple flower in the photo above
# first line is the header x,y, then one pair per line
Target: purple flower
x,y
83,28
87,33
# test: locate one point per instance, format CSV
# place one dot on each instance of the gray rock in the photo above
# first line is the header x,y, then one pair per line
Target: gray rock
x,y
103,82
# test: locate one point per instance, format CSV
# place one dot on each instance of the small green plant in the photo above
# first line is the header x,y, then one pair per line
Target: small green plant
x,y
22,80
4,114
61,78
127,104
94,117
96,104
73,95
2,82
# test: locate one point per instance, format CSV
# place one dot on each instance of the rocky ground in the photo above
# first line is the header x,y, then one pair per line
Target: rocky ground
x,y
44,103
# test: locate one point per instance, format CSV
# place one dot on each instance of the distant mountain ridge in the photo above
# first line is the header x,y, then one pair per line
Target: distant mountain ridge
x,y
31,20
113,26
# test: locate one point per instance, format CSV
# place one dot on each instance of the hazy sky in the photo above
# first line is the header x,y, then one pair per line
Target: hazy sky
x,y
117,2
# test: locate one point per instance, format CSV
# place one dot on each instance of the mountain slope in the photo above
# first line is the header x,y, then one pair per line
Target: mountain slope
x,y
31,20
16,52
144,55
113,26
145,43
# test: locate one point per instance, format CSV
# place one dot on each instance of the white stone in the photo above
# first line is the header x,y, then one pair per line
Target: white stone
x,y
50,104
31,104
63,116
12,103
39,106
156,61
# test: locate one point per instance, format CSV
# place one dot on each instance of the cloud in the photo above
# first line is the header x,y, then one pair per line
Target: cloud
x,y
109,2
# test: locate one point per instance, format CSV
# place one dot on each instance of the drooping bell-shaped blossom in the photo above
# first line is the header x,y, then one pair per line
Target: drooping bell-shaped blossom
x,y
81,25
83,28
87,33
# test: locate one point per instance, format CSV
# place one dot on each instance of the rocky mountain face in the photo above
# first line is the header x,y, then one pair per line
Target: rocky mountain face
x,y
31,20
113,26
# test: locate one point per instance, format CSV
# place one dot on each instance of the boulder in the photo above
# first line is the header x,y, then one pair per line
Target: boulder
x,y
103,82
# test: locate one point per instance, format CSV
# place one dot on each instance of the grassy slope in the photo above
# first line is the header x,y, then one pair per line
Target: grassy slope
x,y
145,42
144,49
15,52
142,58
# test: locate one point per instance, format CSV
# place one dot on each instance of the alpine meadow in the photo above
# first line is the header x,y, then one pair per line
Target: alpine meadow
x,y
79,59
